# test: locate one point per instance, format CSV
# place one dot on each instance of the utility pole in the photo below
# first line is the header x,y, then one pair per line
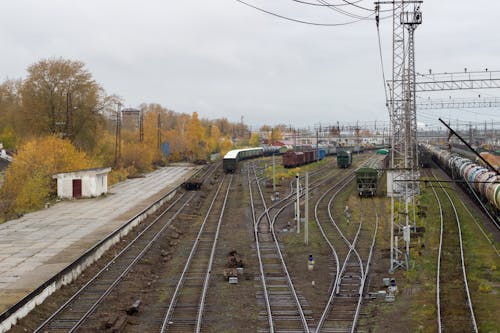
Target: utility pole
x,y
297,205
118,141
158,133
274,175
69,118
317,145
306,212
141,126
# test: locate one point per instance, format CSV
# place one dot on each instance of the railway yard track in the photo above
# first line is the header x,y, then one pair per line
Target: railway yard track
x,y
284,310
184,298
352,252
74,313
291,308
455,311
185,311
70,316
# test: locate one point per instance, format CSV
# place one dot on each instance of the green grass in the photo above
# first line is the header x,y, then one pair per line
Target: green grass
x,y
286,173
481,262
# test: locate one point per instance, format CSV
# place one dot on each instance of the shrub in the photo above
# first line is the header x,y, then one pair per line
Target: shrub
x,y
28,180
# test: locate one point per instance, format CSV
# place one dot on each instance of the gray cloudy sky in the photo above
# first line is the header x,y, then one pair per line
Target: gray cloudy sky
x,y
223,59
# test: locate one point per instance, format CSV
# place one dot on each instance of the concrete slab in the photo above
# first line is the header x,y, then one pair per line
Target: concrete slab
x,y
39,245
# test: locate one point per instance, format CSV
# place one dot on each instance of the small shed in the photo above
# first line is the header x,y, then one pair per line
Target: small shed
x,y
82,183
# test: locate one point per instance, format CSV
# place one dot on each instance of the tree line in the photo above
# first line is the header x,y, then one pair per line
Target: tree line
x,y
60,119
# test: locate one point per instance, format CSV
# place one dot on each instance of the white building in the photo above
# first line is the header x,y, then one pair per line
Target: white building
x,y
83,183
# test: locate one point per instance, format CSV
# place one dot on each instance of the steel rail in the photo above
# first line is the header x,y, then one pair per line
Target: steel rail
x,y
182,278
485,210
334,289
256,224
490,241
84,288
438,273
286,204
464,272
201,306
363,282
282,260
259,256
344,182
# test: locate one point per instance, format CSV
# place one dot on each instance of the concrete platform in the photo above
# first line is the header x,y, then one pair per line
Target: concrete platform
x,y
39,245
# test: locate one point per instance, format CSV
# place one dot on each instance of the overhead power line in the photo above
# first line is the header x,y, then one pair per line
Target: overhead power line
x,y
345,3
345,12
301,21
321,5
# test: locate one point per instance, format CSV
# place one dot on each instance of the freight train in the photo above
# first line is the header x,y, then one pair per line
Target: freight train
x,y
292,156
305,154
231,159
275,150
492,159
367,177
292,159
484,182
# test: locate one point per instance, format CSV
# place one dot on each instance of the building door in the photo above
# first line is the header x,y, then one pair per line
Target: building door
x,y
77,188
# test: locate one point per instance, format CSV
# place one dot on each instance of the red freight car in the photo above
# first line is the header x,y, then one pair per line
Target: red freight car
x,y
292,159
310,156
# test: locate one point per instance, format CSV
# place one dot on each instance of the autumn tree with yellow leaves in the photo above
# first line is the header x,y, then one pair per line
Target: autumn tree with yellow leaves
x,y
28,180
255,140
60,119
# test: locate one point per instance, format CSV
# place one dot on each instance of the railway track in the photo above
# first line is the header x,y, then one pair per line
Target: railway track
x,y
352,256
455,312
73,314
185,311
75,311
284,310
320,178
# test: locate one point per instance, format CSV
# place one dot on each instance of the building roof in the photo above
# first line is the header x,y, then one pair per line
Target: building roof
x,y
92,171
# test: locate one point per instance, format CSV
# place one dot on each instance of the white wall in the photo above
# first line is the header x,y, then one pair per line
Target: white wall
x,y
92,185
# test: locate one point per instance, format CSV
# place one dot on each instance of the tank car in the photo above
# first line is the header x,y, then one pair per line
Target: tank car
x,y
484,182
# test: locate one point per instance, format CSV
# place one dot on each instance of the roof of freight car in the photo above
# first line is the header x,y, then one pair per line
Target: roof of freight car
x,y
343,152
370,171
233,153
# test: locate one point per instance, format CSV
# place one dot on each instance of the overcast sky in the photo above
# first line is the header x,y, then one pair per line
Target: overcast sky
x,y
224,59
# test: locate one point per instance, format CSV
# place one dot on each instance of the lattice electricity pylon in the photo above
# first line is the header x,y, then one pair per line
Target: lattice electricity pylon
x,y
402,110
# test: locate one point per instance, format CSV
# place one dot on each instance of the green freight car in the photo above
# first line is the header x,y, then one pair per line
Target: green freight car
x,y
367,176
344,159
367,181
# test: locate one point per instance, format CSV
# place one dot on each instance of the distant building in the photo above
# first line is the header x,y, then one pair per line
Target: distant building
x,y
82,183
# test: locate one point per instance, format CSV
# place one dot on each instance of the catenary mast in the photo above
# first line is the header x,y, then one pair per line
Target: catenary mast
x,y
402,186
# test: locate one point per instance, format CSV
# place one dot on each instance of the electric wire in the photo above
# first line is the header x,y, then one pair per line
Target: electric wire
x,y
344,12
296,20
320,5
345,3
382,65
